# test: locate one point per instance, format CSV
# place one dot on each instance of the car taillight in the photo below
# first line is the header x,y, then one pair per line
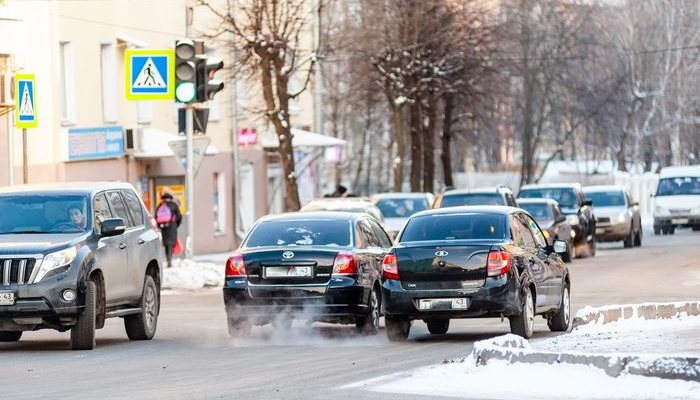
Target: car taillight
x,y
235,266
498,263
390,267
344,264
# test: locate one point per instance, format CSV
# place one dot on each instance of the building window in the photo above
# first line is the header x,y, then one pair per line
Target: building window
x,y
144,112
67,83
219,203
109,82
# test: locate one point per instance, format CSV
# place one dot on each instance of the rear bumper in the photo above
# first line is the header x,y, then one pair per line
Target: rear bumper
x,y
320,303
612,232
498,297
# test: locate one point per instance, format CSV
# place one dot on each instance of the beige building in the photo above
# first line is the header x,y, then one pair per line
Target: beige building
x,y
87,130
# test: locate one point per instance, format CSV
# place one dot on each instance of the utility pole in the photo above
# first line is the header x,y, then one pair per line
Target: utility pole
x,y
25,156
189,180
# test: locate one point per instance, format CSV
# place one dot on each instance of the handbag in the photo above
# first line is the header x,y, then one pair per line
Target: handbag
x,y
177,250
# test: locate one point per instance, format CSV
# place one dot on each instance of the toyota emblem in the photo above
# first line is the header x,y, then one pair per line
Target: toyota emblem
x,y
441,253
287,255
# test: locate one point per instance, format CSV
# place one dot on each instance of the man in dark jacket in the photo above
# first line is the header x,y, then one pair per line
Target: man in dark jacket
x,y
168,217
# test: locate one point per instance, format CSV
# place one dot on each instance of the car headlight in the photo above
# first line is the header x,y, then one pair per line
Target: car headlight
x,y
572,219
695,211
622,217
55,260
660,210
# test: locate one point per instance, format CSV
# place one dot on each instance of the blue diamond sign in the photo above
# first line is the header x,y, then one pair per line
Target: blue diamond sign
x,y
149,74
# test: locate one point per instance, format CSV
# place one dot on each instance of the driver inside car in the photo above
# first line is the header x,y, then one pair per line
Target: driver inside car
x,y
76,217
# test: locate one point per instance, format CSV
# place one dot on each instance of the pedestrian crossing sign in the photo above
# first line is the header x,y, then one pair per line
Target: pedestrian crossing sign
x,y
149,74
25,101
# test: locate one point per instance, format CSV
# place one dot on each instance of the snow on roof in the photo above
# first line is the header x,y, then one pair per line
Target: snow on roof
x,y
301,138
680,171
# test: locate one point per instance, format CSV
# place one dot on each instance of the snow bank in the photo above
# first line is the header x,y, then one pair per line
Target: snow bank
x,y
190,275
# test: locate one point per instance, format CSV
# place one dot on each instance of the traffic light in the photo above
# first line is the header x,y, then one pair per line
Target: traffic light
x,y
207,86
186,56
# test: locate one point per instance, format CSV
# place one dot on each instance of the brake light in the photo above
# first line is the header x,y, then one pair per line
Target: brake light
x,y
390,267
498,263
344,264
235,266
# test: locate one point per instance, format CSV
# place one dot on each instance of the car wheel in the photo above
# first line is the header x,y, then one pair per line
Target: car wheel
x,y
672,230
570,252
560,321
665,231
629,240
82,335
142,326
10,336
522,325
369,323
657,230
438,326
238,327
638,238
397,328
696,228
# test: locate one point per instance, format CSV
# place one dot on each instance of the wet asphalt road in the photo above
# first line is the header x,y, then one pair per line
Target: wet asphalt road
x,y
193,357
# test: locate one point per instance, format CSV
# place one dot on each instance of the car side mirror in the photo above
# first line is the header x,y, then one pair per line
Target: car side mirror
x,y
588,203
635,204
559,246
113,227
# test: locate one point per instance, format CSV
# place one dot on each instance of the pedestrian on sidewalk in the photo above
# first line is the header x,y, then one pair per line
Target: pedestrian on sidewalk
x,y
168,218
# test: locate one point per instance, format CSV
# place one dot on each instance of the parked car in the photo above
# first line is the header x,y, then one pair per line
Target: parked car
x,y
397,207
346,204
322,266
75,254
474,262
579,211
677,199
499,195
549,217
617,215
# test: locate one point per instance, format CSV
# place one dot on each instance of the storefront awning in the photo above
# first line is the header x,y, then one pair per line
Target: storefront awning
x,y
301,138
153,143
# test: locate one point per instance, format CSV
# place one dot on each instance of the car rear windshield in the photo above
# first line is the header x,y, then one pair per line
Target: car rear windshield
x,y
540,212
471,199
566,197
606,199
402,208
307,232
454,227
43,214
679,186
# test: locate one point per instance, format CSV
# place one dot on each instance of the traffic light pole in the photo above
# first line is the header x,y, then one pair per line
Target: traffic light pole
x,y
189,180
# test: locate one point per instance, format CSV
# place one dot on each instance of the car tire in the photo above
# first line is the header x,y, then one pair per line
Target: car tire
x,y
657,230
672,230
143,326
629,240
560,321
665,231
522,325
10,336
82,335
638,238
438,326
570,253
238,327
369,324
397,328
696,228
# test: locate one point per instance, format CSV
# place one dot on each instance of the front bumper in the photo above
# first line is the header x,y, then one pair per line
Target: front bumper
x,y
498,297
668,221
341,300
610,232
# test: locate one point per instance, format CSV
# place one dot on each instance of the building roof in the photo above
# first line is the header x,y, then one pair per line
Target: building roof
x,y
301,138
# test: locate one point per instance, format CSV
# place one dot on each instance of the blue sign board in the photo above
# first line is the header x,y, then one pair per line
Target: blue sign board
x,y
95,143
149,74
25,101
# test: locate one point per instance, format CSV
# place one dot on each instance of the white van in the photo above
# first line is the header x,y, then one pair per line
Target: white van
x,y
677,199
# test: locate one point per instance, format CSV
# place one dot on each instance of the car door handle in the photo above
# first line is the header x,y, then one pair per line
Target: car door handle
x,y
141,241
122,246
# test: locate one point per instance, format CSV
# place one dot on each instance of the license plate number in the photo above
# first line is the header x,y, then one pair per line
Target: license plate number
x,y
459,303
288,272
679,221
599,230
7,298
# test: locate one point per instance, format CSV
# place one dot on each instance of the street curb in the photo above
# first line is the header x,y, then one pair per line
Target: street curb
x,y
515,349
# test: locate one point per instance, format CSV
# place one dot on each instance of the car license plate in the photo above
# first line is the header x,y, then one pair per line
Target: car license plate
x,y
460,303
599,230
7,298
679,221
288,272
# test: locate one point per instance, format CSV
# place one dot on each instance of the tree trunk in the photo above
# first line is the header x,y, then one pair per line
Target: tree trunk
x,y
361,156
428,127
446,156
416,147
400,148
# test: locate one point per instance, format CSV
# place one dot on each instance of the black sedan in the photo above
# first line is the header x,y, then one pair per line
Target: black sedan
x,y
549,217
467,262
317,266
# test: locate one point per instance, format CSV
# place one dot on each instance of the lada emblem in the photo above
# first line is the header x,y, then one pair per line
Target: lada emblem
x,y
441,253
287,255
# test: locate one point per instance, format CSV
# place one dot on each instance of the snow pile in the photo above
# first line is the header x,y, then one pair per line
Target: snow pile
x,y
190,275
499,380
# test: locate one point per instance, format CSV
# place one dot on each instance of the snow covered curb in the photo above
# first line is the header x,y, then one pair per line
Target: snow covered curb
x,y
607,314
514,349
190,275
